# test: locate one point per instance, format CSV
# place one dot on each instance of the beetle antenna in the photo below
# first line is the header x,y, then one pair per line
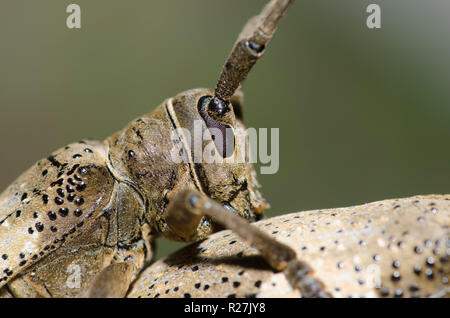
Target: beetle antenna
x,y
249,47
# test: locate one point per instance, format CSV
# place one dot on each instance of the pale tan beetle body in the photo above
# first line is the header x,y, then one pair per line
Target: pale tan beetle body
x,y
69,216
391,248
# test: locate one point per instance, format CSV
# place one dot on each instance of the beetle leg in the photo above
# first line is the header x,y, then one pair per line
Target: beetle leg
x,y
188,207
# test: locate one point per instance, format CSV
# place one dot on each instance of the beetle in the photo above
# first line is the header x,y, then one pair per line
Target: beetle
x,y
389,248
93,209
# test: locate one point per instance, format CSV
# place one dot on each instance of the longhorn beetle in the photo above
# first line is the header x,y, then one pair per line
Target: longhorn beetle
x,y
95,208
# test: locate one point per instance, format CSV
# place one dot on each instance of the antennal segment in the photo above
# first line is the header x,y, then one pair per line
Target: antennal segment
x,y
249,47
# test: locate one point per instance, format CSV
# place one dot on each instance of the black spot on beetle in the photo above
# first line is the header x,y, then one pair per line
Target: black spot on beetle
x,y
24,196
70,197
22,263
395,277
39,226
429,274
413,288
54,229
76,156
417,269
22,255
18,213
44,173
71,171
79,201
5,256
88,150
396,264
45,199
63,212
138,133
58,182
53,161
78,212
81,186
131,154
398,292
236,284
60,192
30,230
51,215
59,201
35,215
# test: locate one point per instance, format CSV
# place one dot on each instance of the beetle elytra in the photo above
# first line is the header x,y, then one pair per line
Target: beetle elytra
x,y
389,248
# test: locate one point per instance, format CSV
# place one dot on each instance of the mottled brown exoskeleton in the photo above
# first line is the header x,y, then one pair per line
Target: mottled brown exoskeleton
x,y
82,221
389,248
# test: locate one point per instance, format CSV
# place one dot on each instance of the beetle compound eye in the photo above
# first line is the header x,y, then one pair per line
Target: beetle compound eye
x,y
218,107
202,102
222,135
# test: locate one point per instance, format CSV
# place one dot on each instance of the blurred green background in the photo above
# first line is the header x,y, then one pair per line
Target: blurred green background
x,y
363,114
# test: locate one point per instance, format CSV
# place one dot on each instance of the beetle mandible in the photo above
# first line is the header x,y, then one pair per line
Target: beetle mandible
x,y
93,209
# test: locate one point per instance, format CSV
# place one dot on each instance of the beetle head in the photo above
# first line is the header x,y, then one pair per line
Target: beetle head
x,y
216,146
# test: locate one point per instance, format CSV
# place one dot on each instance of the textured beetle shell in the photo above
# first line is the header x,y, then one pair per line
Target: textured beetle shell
x,y
73,178
63,215
391,248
